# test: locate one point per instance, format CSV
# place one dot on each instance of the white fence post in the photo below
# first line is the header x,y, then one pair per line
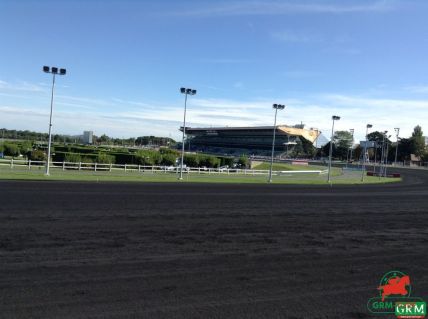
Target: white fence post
x,y
139,168
63,165
29,165
11,163
125,168
95,167
111,165
80,166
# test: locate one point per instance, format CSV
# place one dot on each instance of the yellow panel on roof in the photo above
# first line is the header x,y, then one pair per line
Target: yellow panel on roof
x,y
310,135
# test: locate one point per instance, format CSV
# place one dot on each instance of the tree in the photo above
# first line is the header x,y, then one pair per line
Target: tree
x,y
343,139
378,138
308,148
103,139
297,149
417,141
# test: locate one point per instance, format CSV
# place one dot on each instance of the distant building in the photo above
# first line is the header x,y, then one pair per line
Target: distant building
x,y
87,137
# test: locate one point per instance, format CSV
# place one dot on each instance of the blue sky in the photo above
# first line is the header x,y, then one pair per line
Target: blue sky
x,y
364,60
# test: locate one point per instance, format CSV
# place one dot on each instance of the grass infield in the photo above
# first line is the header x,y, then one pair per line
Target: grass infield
x,y
37,173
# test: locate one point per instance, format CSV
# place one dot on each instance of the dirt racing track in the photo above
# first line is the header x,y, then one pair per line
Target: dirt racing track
x,y
106,250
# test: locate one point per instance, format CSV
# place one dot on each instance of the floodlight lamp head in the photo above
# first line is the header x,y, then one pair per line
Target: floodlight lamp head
x,y
335,118
62,71
193,92
189,91
275,106
369,125
54,70
183,90
46,69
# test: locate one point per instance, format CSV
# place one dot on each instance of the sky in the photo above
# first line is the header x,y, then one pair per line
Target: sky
x,y
363,60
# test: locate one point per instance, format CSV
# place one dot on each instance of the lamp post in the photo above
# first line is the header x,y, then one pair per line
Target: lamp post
x,y
382,154
365,153
54,71
186,92
386,156
349,152
397,132
276,107
334,118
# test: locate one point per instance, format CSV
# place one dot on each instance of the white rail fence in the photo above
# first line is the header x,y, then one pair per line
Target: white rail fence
x,y
97,167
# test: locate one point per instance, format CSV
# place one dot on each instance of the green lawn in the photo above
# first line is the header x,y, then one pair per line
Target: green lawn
x,y
37,173
288,167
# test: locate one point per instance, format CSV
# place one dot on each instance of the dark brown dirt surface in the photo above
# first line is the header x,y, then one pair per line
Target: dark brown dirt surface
x,y
89,250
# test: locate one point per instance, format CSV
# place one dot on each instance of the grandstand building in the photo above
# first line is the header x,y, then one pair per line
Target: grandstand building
x,y
247,140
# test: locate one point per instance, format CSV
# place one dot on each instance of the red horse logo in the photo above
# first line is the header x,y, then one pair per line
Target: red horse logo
x,y
395,286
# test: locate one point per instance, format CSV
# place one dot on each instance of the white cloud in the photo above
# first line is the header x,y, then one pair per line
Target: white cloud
x,y
283,8
420,89
124,119
294,37
300,74
238,85
21,86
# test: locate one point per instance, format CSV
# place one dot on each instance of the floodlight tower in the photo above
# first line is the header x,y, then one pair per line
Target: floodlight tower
x,y
276,107
382,154
349,150
352,142
334,118
54,71
397,132
365,153
186,92
386,156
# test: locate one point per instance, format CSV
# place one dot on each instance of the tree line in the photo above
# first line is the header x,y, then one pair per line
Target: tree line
x,y
104,139
343,143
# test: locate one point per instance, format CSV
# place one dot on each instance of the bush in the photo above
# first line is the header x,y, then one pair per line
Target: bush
x,y
147,157
168,159
209,161
73,158
88,162
226,161
169,151
26,147
243,162
104,158
37,155
191,160
11,149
